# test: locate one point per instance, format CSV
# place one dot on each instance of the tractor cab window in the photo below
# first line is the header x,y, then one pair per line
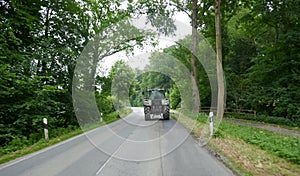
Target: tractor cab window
x,y
156,95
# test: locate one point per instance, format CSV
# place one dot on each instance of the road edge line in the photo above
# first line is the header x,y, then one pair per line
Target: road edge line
x,y
28,156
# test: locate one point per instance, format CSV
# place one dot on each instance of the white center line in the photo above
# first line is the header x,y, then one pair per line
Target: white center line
x,y
102,167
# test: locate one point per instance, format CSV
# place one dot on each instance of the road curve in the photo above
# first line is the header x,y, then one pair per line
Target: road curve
x,y
130,146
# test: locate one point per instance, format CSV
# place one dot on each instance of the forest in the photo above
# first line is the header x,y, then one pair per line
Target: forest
x,y
41,40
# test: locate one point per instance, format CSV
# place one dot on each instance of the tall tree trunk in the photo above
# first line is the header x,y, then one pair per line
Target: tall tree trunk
x,y
221,92
195,77
44,59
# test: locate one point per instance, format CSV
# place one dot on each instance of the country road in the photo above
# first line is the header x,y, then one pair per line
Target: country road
x,y
130,146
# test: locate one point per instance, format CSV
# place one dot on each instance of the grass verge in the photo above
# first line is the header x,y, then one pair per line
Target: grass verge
x,y
251,151
38,146
285,147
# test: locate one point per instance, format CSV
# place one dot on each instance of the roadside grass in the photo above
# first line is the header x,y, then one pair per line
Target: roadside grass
x,y
37,146
251,160
275,121
295,128
248,150
283,146
61,134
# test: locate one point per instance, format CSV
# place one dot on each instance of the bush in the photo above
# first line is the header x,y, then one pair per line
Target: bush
x,y
17,143
111,117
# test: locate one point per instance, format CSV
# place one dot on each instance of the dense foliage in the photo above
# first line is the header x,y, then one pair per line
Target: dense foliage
x,y
260,51
40,41
262,59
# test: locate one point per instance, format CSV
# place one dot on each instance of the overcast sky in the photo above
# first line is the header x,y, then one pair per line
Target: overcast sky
x,y
140,57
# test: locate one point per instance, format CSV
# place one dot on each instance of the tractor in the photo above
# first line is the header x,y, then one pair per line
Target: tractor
x,y
156,104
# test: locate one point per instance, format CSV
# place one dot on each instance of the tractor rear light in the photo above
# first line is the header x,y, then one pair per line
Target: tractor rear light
x,y
165,102
147,102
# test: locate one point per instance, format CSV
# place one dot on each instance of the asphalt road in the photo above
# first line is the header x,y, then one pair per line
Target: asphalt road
x,y
130,146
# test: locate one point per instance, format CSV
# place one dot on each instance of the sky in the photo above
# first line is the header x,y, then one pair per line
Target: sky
x,y
140,57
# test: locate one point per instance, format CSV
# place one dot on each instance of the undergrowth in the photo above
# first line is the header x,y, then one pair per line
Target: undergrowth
x,y
286,147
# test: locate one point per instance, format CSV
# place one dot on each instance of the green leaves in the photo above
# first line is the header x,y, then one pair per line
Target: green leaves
x,y
261,63
40,44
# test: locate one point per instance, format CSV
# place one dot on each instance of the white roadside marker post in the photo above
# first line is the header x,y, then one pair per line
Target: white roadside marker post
x,y
211,123
46,129
101,120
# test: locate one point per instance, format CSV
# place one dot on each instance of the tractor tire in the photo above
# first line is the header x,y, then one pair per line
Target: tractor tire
x,y
166,114
147,113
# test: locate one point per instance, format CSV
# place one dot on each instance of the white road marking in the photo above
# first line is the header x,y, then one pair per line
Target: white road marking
x,y
108,160
26,157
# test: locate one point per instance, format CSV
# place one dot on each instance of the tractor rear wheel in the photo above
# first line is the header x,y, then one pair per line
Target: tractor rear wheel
x,y
166,114
147,113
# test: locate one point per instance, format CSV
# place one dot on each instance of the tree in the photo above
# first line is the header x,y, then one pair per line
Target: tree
x,y
40,45
274,72
195,77
103,94
221,90
122,77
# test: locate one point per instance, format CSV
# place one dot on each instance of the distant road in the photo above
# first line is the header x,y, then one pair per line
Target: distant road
x,y
128,147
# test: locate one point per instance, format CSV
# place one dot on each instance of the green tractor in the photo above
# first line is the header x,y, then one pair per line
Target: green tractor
x,y
156,104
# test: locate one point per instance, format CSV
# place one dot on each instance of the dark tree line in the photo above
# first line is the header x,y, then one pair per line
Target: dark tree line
x,y
262,58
